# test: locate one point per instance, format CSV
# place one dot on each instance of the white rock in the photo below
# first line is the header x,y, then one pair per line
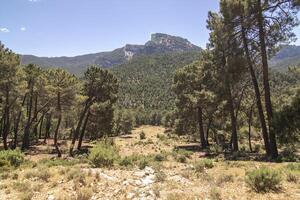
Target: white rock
x,y
51,197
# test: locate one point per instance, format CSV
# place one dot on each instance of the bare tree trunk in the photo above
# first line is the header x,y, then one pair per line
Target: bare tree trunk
x,y
41,126
56,136
35,129
264,58
17,123
207,131
83,131
26,136
249,129
58,124
77,130
234,139
47,127
201,129
257,93
6,127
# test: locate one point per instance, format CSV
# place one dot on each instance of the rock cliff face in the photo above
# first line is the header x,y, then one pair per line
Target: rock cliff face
x,y
159,44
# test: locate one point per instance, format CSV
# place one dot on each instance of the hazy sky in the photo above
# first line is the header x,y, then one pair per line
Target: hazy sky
x,y
74,27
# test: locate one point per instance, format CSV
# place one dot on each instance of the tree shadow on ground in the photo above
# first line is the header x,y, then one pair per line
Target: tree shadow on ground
x,y
226,154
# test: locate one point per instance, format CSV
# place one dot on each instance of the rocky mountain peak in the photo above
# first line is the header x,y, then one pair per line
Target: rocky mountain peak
x,y
170,41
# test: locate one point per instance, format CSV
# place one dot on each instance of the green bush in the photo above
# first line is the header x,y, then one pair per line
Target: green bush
x,y
161,137
138,160
159,157
142,135
180,155
293,166
180,158
288,155
263,180
103,155
11,157
200,165
58,162
207,163
126,161
143,162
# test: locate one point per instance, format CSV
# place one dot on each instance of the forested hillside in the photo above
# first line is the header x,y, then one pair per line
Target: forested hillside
x,y
146,81
288,56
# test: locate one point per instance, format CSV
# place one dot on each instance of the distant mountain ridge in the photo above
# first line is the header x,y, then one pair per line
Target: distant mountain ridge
x,y
289,55
159,44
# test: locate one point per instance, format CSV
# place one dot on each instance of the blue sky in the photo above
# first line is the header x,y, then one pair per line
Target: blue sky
x,y
74,27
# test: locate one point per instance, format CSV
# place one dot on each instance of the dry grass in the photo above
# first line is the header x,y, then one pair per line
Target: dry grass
x,y
194,178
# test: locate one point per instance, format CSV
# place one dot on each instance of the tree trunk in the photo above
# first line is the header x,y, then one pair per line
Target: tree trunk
x,y
201,129
265,67
234,139
257,92
76,132
207,131
83,131
17,122
41,126
249,130
26,137
58,124
47,127
6,127
35,129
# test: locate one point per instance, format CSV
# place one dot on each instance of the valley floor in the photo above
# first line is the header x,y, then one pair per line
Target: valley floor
x,y
170,177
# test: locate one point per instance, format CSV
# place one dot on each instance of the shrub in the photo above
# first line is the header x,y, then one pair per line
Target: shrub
x,y
140,160
160,176
215,148
199,167
207,163
126,161
159,157
143,162
59,162
263,180
84,194
290,177
215,194
225,178
257,148
40,173
103,155
22,186
161,137
288,155
181,155
76,175
180,158
27,195
293,166
11,157
142,135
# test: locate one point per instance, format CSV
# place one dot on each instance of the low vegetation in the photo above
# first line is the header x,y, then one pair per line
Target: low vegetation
x,y
264,180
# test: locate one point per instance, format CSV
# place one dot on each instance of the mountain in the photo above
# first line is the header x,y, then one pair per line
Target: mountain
x,y
289,55
159,44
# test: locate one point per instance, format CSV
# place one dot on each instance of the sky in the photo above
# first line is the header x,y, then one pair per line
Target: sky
x,y
76,27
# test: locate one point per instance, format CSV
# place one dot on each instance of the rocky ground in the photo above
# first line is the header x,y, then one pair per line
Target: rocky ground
x,y
170,178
